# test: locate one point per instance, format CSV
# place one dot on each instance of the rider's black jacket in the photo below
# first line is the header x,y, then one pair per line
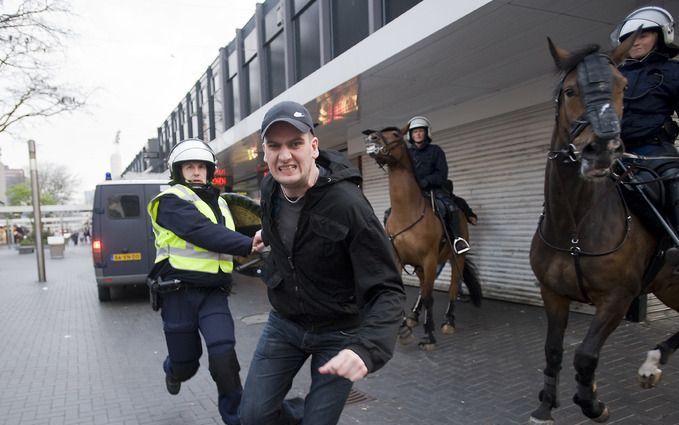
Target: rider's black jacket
x,y
651,97
341,273
431,167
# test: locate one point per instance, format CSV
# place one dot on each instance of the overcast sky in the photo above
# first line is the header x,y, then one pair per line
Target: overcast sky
x,y
137,58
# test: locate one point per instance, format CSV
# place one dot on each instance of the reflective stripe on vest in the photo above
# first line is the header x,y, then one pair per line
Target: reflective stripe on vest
x,y
182,254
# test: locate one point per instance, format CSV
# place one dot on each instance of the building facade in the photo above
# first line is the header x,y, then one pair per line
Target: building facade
x,y
479,70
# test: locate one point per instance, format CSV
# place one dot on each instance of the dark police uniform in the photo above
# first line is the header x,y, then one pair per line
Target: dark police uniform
x,y
431,171
193,227
651,98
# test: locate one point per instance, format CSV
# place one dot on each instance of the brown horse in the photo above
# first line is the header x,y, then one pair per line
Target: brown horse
x,y
418,236
588,246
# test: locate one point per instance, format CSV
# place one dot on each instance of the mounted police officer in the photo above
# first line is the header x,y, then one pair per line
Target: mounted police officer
x,y
195,241
431,170
651,99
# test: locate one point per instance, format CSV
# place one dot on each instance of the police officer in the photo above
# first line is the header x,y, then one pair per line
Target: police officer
x,y
195,241
431,170
651,99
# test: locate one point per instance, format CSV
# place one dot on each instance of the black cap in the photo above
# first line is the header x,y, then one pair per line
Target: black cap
x,y
291,112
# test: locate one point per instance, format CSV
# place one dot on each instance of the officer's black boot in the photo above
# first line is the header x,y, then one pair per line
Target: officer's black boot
x,y
460,246
672,254
172,384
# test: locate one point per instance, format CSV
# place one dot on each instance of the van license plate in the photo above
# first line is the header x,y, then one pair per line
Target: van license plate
x,y
130,256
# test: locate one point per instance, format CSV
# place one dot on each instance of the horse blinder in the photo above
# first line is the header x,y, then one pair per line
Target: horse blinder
x,y
595,81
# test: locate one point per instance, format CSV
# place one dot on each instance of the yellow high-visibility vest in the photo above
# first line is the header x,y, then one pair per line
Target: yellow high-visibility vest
x,y
182,254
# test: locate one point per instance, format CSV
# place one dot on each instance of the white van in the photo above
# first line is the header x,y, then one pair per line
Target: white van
x,y
123,247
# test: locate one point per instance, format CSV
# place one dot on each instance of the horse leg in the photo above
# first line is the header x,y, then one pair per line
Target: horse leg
x,y
556,308
413,317
608,316
428,341
405,333
649,372
448,325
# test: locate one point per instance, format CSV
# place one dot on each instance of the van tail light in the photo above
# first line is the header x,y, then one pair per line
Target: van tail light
x,y
96,252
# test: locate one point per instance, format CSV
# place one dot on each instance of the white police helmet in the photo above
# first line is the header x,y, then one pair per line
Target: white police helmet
x,y
419,122
191,150
647,18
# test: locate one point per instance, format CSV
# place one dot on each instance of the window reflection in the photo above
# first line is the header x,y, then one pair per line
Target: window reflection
x,y
275,56
349,24
395,8
307,41
252,69
123,206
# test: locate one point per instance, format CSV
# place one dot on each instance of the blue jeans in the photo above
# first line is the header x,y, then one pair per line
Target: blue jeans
x,y
282,350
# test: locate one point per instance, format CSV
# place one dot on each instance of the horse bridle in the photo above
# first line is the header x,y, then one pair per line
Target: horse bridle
x,y
384,148
595,82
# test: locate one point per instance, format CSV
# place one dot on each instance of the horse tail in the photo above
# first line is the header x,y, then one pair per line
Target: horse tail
x,y
470,276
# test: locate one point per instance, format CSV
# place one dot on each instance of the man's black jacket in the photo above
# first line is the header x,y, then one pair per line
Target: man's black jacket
x,y
341,273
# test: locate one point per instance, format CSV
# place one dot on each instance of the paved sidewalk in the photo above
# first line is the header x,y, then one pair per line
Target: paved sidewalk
x,y
68,359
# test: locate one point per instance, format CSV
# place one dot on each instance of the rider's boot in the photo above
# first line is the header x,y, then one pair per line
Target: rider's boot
x,y
672,254
460,246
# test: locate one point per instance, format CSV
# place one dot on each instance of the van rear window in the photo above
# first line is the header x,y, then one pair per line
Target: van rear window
x,y
123,206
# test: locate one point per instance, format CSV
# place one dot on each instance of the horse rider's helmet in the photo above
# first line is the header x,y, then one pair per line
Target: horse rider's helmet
x,y
648,17
419,122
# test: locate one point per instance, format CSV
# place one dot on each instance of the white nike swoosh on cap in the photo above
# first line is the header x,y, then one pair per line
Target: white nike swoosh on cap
x,y
298,115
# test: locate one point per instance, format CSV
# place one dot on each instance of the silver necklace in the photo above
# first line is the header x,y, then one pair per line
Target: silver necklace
x,y
288,199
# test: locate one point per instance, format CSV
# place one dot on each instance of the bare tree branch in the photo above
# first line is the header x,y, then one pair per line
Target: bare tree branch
x,y
29,39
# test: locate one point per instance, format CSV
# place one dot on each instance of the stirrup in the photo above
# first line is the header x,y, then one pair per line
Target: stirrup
x,y
463,248
672,256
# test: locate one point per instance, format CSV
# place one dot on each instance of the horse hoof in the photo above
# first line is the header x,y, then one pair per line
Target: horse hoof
x,y
650,381
447,328
536,421
603,417
406,340
427,346
411,323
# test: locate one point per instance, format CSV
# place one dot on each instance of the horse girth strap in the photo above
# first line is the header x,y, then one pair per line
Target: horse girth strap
x,y
579,278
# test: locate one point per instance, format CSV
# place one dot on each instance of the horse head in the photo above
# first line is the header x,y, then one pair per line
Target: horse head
x,y
588,107
382,145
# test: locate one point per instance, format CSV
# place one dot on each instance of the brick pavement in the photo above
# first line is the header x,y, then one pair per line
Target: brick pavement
x,y
67,359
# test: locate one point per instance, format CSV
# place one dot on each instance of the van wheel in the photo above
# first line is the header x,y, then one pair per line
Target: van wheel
x,y
104,293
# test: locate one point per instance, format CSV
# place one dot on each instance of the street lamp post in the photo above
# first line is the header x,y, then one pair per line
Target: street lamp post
x,y
37,216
